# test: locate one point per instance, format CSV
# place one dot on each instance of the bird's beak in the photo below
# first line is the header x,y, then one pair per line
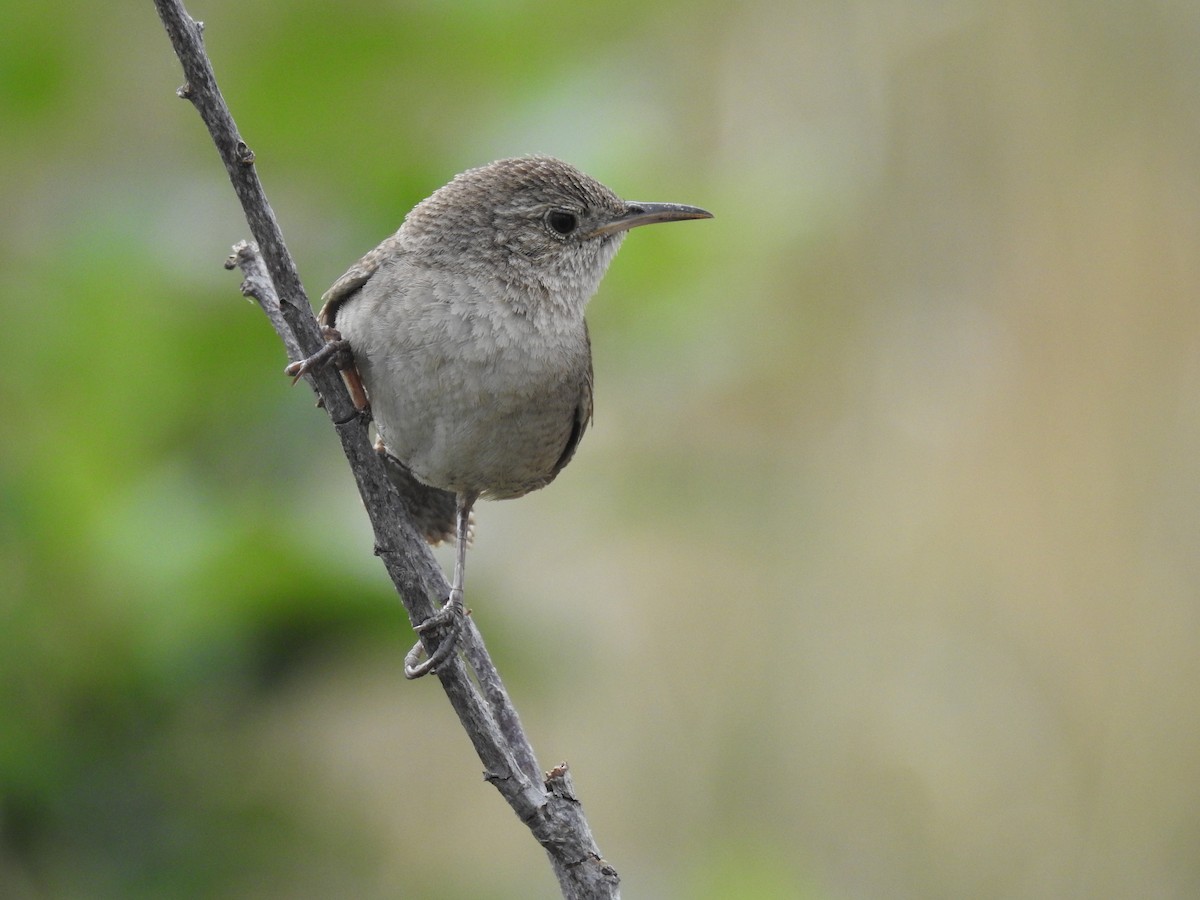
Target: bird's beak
x,y
636,214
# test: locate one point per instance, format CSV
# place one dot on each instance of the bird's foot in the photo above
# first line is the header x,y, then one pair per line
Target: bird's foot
x,y
448,620
337,352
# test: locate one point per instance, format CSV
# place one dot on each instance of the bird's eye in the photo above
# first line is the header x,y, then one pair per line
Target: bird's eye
x,y
562,221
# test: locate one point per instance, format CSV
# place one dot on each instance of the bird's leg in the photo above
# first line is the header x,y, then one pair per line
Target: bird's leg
x,y
336,350
452,615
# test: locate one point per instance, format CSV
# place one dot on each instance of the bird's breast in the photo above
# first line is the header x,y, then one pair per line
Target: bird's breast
x,y
471,394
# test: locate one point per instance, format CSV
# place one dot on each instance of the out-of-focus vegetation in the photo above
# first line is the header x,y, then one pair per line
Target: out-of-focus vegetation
x,y
879,575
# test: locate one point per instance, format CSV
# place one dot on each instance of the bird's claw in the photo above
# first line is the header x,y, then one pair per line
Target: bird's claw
x,y
336,351
449,620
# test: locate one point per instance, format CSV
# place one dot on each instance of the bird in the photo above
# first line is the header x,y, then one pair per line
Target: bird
x,y
467,330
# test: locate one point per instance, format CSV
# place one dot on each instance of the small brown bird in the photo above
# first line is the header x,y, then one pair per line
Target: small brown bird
x,y
467,328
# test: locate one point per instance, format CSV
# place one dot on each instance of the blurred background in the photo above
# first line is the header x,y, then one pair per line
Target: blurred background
x,y
877,576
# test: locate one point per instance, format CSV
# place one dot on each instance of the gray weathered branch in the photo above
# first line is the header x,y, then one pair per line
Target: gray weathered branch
x,y
546,804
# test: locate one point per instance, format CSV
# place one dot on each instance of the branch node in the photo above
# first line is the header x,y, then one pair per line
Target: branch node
x,y
560,784
244,154
604,865
184,91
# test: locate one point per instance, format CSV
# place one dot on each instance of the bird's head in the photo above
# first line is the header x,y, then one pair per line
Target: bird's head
x,y
536,223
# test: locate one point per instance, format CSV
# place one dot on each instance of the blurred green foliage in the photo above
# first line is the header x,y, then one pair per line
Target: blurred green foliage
x,y
876,577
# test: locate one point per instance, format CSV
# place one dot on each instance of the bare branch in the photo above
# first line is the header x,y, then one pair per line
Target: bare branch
x,y
546,804
257,285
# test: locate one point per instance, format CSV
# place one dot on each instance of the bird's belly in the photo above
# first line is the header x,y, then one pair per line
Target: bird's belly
x,y
469,428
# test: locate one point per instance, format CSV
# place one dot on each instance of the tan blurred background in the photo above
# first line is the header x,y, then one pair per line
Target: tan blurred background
x,y
877,577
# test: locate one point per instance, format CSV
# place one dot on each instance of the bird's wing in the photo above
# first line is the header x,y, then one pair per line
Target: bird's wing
x,y
583,411
346,287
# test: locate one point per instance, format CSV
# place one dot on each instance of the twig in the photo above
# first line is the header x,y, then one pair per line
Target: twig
x,y
546,804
